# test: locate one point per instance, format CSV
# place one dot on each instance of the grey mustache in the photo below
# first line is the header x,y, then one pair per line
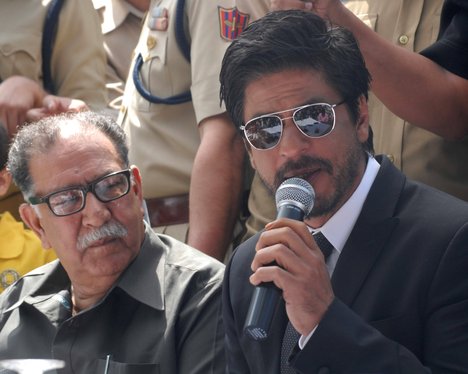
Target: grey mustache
x,y
110,230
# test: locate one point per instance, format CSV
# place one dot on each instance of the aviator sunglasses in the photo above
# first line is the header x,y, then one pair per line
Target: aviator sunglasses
x,y
313,120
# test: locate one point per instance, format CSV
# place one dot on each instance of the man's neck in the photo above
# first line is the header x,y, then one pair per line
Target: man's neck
x,y
84,296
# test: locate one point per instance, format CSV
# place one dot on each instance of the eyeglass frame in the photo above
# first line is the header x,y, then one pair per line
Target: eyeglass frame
x,y
295,110
90,187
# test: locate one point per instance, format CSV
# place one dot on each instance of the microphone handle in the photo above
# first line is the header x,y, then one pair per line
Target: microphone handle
x,y
263,305
266,296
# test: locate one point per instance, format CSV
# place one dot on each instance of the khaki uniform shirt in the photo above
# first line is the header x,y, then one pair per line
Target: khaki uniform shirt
x,y
162,316
78,59
164,138
121,27
421,155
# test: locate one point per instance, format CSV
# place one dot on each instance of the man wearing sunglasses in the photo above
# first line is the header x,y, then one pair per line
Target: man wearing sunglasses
x,y
392,295
120,299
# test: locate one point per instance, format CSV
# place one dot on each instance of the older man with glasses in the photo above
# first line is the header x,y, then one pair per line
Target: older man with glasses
x,y
120,298
381,285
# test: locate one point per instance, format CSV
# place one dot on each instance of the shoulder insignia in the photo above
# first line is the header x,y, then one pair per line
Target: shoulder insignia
x,y
232,22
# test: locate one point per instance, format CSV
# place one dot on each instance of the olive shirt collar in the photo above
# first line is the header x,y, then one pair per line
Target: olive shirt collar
x,y
142,280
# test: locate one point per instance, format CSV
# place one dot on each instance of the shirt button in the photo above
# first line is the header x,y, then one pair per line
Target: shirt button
x,y
151,42
391,158
403,39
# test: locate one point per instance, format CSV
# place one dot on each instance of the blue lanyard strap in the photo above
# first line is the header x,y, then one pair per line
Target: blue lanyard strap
x,y
173,100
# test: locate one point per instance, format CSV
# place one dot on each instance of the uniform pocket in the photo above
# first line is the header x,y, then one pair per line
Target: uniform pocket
x,y
153,49
127,368
21,55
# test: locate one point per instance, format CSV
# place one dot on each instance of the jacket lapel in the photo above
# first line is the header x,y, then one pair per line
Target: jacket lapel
x,y
370,234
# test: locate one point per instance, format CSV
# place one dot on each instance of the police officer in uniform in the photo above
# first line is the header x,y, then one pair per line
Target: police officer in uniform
x,y
180,136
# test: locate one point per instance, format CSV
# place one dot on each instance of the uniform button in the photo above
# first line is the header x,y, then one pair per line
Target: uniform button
x,y
391,158
151,42
403,39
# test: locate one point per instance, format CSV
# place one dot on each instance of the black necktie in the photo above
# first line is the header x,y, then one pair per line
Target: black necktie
x,y
291,336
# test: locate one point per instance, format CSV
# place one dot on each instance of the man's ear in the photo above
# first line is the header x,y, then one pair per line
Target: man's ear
x,y
362,126
5,181
32,220
137,183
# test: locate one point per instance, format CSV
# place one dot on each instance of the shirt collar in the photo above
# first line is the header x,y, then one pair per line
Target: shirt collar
x,y
114,13
340,225
144,278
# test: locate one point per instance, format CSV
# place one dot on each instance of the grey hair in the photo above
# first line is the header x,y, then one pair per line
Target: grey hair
x,y
37,138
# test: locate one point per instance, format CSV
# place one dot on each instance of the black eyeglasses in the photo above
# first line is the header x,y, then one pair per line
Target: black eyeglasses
x,y
73,199
313,120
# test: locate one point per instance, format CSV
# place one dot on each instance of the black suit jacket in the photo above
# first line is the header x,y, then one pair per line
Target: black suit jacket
x,y
401,287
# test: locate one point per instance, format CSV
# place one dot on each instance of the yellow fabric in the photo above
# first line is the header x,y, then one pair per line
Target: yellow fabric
x,y
20,250
11,201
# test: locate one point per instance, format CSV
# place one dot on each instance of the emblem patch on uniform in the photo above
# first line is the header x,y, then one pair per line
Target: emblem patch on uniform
x,y
8,277
232,22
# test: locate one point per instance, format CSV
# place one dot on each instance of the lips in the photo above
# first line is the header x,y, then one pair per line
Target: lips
x,y
308,175
101,242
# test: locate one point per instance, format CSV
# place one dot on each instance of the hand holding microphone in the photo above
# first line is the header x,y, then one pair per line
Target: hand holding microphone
x,y
294,199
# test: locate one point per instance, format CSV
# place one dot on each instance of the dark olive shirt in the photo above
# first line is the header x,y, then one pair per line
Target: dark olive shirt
x,y
162,316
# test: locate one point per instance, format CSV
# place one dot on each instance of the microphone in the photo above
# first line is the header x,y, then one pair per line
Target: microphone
x,y
294,199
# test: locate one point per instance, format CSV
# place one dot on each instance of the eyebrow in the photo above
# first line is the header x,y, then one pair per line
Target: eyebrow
x,y
72,186
313,100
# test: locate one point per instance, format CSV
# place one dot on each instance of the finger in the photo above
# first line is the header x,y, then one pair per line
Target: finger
x,y
36,114
51,103
278,254
12,122
301,241
299,227
269,273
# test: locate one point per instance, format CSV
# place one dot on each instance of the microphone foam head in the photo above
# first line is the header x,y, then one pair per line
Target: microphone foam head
x,y
296,191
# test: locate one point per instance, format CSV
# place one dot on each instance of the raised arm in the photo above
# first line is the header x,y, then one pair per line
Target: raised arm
x,y
409,84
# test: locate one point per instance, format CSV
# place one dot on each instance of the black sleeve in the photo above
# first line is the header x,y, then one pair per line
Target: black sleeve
x,y
451,48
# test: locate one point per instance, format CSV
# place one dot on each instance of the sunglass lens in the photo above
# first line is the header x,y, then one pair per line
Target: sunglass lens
x,y
315,120
264,132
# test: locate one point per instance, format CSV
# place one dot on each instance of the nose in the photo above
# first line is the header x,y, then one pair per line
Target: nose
x,y
293,142
95,213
